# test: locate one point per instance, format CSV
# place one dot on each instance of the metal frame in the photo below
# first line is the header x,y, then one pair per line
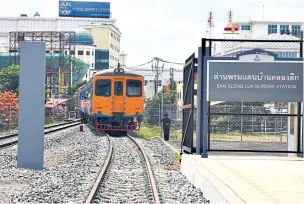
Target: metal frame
x,y
188,104
108,127
58,42
298,115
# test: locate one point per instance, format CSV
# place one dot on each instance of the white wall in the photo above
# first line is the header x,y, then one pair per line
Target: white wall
x,y
8,24
259,30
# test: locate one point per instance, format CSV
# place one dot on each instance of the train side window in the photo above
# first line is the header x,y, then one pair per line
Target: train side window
x,y
134,88
118,88
103,87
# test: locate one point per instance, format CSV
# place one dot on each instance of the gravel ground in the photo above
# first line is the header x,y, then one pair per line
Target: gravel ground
x,y
172,184
72,163
126,180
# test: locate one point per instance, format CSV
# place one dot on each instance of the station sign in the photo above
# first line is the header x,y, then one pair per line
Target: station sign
x,y
230,80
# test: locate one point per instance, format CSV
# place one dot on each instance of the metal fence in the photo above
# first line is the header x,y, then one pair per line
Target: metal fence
x,y
254,126
56,111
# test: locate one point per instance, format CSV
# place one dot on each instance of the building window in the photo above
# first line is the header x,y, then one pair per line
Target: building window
x,y
56,51
112,35
296,30
72,52
286,54
159,83
272,29
102,59
146,82
88,53
80,52
93,53
245,27
92,64
284,28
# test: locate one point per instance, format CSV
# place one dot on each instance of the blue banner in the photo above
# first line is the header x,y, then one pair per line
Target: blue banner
x,y
84,9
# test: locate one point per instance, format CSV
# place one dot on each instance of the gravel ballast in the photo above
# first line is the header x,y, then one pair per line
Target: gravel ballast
x,y
73,160
173,186
126,180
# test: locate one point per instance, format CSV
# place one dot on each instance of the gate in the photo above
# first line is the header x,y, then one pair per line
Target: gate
x,y
254,126
190,68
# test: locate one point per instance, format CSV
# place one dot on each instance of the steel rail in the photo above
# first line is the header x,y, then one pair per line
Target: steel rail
x,y
65,126
102,173
49,127
151,175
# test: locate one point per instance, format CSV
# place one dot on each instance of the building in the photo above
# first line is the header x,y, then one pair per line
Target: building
x,y
26,23
107,39
97,39
257,29
261,30
123,59
164,78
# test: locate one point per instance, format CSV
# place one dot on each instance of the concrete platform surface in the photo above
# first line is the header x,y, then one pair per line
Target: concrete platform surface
x,y
246,179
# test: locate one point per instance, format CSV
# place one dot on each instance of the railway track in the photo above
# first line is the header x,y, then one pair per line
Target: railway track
x,y
12,139
126,175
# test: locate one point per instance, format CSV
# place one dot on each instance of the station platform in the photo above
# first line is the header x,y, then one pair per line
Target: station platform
x,y
246,178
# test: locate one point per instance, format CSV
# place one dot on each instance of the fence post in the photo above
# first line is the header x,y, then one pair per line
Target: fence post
x,y
299,111
10,117
159,118
202,104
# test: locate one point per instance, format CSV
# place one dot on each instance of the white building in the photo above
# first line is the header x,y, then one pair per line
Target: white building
x,y
264,30
25,23
257,29
123,59
164,78
104,53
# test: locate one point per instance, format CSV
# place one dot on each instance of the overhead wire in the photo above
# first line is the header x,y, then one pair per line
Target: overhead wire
x,y
140,65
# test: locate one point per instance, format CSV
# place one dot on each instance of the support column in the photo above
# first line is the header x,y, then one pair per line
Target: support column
x,y
31,105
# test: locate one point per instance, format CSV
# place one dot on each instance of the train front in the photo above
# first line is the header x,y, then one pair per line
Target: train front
x,y
118,100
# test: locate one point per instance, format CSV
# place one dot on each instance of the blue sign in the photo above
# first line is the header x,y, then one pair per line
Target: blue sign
x,y
84,9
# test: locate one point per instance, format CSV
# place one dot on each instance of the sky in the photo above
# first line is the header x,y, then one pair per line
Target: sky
x,y
169,29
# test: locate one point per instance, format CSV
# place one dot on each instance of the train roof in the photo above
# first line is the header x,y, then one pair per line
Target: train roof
x,y
110,72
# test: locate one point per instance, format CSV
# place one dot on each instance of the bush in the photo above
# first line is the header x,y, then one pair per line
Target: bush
x,y
9,107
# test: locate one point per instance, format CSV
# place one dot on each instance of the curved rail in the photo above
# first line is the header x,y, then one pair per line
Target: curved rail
x,y
49,127
106,165
102,173
65,126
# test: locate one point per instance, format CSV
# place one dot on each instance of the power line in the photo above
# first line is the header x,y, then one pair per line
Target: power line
x,y
171,62
139,65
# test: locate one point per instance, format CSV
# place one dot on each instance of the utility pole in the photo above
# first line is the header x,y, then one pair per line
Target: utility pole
x,y
157,70
172,85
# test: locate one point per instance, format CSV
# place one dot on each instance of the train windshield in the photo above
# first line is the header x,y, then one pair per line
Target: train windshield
x,y
118,88
103,87
134,88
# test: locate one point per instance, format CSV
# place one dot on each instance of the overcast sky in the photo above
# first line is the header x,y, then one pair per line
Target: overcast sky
x,y
170,29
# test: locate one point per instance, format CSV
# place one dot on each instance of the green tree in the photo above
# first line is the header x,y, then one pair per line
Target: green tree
x,y
152,105
72,89
9,79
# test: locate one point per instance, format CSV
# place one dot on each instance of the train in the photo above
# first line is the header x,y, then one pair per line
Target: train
x,y
113,100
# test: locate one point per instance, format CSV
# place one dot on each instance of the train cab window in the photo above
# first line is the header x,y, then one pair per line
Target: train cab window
x,y
103,87
118,88
134,88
